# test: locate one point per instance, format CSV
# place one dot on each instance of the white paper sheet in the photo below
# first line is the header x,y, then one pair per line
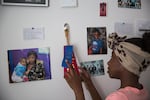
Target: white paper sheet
x,y
33,33
124,28
142,26
68,3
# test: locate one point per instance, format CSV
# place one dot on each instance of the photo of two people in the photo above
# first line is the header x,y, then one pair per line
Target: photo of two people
x,y
29,65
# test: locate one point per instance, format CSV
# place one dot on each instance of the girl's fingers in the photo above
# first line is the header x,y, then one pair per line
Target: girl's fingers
x,y
67,78
67,75
84,74
71,69
83,71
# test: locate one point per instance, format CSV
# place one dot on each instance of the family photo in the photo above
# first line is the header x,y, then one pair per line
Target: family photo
x,y
29,65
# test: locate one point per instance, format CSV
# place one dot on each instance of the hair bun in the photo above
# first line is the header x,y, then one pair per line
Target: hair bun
x,y
146,41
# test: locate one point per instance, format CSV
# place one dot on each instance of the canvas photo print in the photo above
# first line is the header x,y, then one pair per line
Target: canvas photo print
x,y
25,2
129,4
29,65
96,40
95,68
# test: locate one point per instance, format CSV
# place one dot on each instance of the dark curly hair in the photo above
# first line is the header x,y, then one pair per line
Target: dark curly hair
x,y
96,30
32,53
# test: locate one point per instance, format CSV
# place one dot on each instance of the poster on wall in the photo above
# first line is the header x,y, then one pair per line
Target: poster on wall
x,y
95,68
26,2
96,40
29,65
129,4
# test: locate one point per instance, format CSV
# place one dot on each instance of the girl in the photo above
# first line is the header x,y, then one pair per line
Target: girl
x,y
35,68
129,58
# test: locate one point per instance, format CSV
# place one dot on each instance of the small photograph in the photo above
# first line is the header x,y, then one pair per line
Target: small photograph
x,y
103,9
136,4
96,40
95,68
29,65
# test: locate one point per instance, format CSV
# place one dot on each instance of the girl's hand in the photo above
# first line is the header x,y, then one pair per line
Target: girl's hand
x,y
73,79
86,78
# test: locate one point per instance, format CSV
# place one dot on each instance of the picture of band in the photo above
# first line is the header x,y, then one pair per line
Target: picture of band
x,y
129,4
96,40
29,65
95,68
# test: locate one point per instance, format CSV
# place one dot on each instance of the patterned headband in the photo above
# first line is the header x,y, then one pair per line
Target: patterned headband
x,y
131,56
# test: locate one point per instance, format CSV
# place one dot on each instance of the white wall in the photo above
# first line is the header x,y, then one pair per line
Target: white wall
x,y
14,18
